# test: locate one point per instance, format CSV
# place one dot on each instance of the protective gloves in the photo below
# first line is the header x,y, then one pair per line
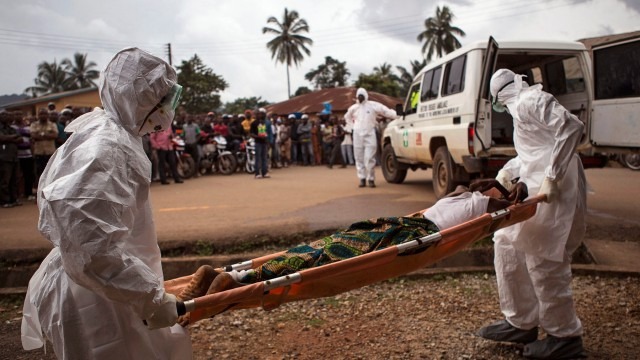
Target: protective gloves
x,y
549,188
166,315
504,178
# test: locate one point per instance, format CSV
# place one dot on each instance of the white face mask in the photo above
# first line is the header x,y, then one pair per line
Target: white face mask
x,y
162,113
498,106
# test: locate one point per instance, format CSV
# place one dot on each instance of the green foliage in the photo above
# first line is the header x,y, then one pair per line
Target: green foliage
x,y
406,76
200,86
378,83
439,35
332,73
241,104
81,73
204,248
301,91
54,78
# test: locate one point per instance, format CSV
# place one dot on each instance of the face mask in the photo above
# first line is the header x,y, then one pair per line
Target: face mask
x,y
164,112
499,107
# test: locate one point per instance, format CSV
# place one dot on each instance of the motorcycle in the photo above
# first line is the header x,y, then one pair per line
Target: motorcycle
x,y
216,157
249,155
184,162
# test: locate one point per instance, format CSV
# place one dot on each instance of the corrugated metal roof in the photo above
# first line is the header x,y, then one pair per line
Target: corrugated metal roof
x,y
340,98
49,97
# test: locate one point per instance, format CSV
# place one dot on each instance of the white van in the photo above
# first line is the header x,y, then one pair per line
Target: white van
x,y
447,122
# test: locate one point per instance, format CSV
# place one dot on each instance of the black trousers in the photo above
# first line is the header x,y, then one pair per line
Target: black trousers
x,y
28,175
8,182
167,156
41,163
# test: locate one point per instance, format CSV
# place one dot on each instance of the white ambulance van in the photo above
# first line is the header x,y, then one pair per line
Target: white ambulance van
x,y
447,123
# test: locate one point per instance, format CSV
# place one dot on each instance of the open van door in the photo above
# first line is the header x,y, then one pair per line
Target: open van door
x,y
482,124
615,115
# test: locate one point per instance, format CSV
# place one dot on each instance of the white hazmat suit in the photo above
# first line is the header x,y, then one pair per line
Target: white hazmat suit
x,y
104,275
533,258
361,117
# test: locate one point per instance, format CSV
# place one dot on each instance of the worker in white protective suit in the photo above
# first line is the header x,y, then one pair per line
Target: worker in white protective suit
x,y
103,277
533,258
362,118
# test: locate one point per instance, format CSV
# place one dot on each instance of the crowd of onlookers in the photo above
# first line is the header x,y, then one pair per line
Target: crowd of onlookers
x,y
294,139
26,144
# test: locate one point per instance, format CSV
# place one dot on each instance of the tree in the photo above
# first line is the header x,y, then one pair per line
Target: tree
x,y
439,35
376,82
81,74
239,105
406,77
286,45
200,86
51,79
332,73
301,91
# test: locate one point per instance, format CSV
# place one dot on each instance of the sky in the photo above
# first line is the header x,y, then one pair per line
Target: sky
x,y
227,34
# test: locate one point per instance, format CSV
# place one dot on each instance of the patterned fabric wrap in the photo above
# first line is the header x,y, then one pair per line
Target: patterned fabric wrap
x,y
360,238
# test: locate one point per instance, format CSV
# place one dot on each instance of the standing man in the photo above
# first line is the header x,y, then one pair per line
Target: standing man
x,y
104,277
9,139
162,144
337,134
191,135
304,137
25,156
296,156
258,132
248,119
362,117
347,143
533,258
43,135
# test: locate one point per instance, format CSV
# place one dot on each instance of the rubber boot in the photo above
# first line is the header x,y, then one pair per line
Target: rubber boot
x,y
504,331
553,347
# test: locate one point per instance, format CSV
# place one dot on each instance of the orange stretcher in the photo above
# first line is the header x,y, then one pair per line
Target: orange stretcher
x,y
335,278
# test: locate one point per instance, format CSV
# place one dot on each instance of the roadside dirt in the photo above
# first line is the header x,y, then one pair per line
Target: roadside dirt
x,y
407,318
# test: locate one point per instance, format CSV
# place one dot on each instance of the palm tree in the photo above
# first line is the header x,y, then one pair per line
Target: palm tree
x,y
285,47
81,73
406,76
385,72
51,79
332,73
439,35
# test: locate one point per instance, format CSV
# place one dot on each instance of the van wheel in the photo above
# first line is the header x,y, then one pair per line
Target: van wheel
x,y
442,173
632,161
391,170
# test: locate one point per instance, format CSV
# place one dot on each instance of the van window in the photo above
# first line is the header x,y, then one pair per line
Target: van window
x,y
454,76
565,76
615,77
430,83
411,105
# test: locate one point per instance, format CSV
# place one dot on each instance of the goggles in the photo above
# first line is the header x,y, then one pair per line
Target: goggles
x,y
167,104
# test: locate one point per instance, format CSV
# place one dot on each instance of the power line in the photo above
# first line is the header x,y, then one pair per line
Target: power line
x,y
322,38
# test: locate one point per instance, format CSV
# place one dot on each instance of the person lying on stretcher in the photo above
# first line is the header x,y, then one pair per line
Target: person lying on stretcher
x,y
462,205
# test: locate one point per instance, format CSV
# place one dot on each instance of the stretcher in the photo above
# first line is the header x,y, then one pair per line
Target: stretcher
x,y
342,276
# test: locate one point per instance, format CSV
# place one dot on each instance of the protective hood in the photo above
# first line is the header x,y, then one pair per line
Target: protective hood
x,y
505,85
363,92
133,83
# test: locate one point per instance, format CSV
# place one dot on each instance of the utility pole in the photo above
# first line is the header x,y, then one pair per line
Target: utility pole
x,y
169,53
